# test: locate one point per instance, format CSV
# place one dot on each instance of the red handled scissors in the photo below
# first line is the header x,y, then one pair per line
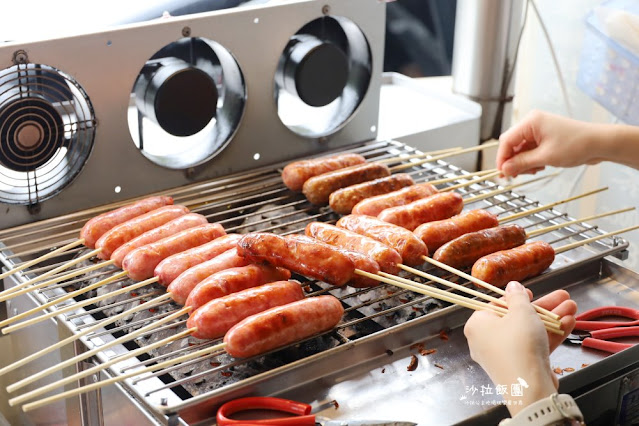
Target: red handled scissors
x,y
301,411
598,332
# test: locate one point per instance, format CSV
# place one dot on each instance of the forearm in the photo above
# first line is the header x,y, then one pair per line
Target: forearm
x,y
618,143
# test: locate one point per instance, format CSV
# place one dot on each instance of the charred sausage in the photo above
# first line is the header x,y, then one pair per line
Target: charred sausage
x,y
295,174
97,226
216,317
233,280
301,254
277,327
373,206
386,257
436,207
465,250
183,285
410,248
517,264
171,267
436,234
343,200
319,188
125,232
141,262
170,228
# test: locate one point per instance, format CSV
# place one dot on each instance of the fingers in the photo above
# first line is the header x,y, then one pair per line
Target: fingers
x,y
560,303
552,300
518,298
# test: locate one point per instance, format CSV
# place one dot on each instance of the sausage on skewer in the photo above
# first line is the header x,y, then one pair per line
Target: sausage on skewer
x,y
319,188
373,206
436,207
343,200
436,234
295,174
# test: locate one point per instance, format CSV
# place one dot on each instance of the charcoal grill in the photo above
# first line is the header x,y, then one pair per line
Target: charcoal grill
x,y
378,328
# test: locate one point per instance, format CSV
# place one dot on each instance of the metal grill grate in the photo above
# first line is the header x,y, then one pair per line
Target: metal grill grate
x,y
249,202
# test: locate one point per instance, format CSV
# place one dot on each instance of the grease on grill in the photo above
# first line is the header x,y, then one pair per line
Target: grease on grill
x,y
412,365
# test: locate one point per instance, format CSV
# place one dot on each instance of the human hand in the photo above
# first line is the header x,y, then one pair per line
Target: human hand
x,y
542,139
517,345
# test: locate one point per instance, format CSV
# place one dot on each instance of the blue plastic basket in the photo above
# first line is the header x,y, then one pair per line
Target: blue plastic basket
x,y
608,72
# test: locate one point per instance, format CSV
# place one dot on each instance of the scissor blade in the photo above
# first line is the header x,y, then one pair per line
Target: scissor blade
x,y
366,423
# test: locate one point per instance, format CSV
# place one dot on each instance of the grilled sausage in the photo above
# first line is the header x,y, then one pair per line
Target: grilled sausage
x,y
343,200
373,206
295,174
125,232
319,188
410,248
97,226
171,267
141,262
233,280
465,250
183,285
517,264
436,234
282,325
301,254
216,317
176,225
436,207
386,257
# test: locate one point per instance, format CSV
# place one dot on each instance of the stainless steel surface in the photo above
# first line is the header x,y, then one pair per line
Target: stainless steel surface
x,y
486,36
347,362
107,63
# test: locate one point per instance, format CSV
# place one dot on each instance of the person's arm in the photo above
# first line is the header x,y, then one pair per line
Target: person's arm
x,y
542,139
517,346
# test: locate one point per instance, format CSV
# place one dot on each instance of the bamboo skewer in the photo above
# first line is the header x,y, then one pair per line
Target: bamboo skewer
x,y
591,239
507,188
460,177
47,274
421,155
67,296
90,353
439,157
87,388
42,258
84,373
548,317
63,277
443,295
470,182
75,306
551,205
573,222
484,284
100,324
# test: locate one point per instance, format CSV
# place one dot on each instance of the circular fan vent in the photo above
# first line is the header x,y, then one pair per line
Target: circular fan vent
x,y
47,128
322,76
188,101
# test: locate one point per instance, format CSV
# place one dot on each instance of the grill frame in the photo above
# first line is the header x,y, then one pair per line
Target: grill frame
x,y
315,366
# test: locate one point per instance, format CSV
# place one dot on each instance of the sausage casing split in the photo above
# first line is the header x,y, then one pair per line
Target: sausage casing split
x,y
386,257
125,232
233,280
97,226
301,254
141,262
295,174
410,248
171,267
436,234
373,206
183,285
517,264
343,200
216,317
465,250
319,188
170,228
436,207
277,327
